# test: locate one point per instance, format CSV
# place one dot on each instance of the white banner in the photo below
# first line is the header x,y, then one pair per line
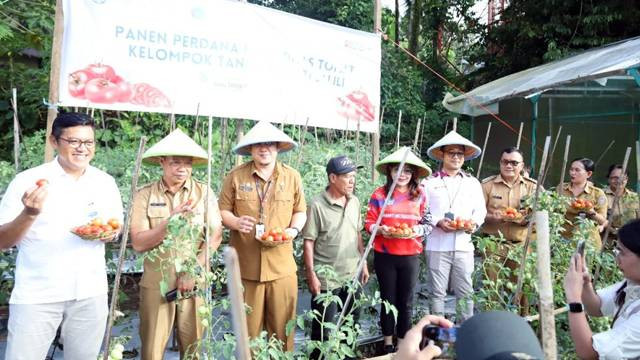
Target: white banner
x,y
231,59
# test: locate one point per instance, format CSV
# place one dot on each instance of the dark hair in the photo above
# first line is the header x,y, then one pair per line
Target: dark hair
x,y
629,236
443,146
588,164
613,167
70,119
512,149
414,187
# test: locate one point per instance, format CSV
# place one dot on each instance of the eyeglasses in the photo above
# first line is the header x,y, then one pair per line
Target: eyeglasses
x,y
454,154
513,163
617,178
267,144
76,143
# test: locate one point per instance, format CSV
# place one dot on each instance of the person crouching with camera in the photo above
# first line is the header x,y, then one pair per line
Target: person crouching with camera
x,y
620,301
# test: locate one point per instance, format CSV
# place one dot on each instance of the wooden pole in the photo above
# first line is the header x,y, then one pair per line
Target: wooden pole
x,y
398,129
375,149
565,158
207,231
195,128
422,134
638,167
553,151
301,140
239,136
547,319
519,136
455,124
484,148
123,247
357,147
16,130
415,139
604,152
446,127
534,208
238,317
616,200
54,77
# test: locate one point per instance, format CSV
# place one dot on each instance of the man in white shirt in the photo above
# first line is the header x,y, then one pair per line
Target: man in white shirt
x,y
60,278
457,207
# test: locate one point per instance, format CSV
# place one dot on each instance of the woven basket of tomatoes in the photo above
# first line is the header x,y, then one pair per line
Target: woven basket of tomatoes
x,y
274,237
581,205
512,215
462,224
96,229
397,231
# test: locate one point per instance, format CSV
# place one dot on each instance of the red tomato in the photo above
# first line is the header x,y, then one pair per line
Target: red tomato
x,y
77,83
41,182
278,237
269,238
102,91
114,223
101,71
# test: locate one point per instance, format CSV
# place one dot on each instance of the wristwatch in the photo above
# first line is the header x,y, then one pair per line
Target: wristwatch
x,y
576,307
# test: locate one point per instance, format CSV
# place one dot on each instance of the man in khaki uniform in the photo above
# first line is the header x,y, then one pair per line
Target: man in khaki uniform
x,y
627,208
502,191
177,193
259,196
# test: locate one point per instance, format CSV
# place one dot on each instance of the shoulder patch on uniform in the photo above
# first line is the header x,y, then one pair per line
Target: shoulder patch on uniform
x,y
487,179
526,178
144,186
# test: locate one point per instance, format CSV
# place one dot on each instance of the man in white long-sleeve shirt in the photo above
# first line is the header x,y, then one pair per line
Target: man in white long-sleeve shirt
x,y
457,207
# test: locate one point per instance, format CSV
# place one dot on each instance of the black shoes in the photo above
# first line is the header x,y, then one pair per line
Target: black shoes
x,y
388,349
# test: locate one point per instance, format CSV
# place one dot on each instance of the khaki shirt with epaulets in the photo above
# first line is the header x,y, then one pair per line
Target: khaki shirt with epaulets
x,y
627,209
153,204
599,201
284,197
499,195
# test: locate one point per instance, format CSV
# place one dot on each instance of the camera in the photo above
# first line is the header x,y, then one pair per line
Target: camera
x,y
438,334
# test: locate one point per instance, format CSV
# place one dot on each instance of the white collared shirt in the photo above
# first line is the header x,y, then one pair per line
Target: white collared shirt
x,y
53,264
622,341
460,195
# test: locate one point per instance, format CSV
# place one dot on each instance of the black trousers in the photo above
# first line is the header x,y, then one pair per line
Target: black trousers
x,y
397,275
331,314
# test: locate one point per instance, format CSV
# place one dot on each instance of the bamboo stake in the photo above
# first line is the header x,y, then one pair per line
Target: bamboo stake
x,y
484,148
123,247
616,200
455,124
301,140
240,135
223,145
415,139
195,128
565,158
243,352
16,130
604,153
398,129
357,147
172,117
54,77
547,320
519,135
92,112
207,231
553,151
534,208
557,311
363,258
422,133
375,148
446,127
315,133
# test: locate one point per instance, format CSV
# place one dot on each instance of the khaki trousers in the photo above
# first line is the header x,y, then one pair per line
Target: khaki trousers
x,y
156,322
273,304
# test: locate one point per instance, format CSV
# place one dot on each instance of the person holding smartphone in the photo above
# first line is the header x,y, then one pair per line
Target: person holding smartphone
x,y
175,194
620,302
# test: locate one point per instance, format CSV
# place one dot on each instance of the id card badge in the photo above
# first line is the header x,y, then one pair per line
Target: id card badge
x,y
259,230
449,215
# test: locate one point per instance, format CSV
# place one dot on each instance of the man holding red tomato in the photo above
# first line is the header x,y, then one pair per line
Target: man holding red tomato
x,y
153,205
58,274
257,197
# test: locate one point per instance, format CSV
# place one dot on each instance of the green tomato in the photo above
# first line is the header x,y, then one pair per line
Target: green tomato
x,y
204,322
203,310
115,354
118,347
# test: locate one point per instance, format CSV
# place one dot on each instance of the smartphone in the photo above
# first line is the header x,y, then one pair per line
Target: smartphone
x,y
438,334
171,296
580,247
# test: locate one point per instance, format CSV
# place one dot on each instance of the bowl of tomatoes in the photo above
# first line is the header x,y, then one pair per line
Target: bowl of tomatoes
x,y
512,215
96,229
397,231
274,237
582,205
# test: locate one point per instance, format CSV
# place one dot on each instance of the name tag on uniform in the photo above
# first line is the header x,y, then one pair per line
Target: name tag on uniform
x,y
246,187
158,204
496,197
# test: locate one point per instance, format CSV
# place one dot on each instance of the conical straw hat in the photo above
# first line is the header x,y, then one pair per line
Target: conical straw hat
x,y
263,132
471,150
412,159
175,144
